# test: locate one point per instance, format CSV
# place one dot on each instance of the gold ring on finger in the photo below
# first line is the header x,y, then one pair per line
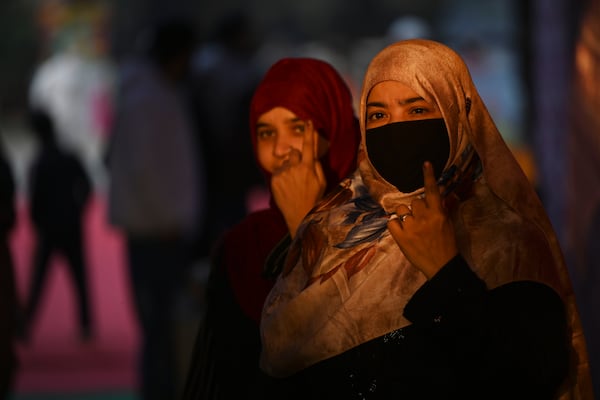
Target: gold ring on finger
x,y
404,216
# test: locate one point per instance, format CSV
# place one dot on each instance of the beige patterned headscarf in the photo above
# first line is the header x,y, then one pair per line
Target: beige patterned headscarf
x,y
345,281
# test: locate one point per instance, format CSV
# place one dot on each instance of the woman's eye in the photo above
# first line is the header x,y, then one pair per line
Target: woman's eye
x,y
265,134
418,110
300,128
376,115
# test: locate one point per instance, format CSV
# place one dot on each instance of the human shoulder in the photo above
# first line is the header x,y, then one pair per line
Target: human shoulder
x,y
255,227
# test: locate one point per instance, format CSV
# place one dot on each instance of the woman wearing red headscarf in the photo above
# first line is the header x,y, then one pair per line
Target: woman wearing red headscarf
x,y
305,137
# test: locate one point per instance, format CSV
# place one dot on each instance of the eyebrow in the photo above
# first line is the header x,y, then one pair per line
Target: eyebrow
x,y
289,121
403,102
261,125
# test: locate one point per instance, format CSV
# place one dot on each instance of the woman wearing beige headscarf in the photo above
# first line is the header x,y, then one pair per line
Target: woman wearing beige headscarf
x,y
407,283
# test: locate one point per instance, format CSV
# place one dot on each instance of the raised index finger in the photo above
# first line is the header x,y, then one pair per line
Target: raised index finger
x,y
432,192
309,144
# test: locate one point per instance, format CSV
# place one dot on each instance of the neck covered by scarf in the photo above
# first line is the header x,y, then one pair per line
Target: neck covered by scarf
x,y
345,281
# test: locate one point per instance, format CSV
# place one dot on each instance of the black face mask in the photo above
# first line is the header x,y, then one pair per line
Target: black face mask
x,y
398,151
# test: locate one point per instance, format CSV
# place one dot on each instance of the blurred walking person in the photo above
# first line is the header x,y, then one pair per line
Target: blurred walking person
x,y
58,195
154,195
224,75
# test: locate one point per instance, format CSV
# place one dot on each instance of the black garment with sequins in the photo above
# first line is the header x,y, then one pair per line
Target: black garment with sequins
x,y
465,342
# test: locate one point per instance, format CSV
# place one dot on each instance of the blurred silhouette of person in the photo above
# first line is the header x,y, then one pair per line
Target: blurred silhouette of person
x,y
8,295
155,196
224,76
59,190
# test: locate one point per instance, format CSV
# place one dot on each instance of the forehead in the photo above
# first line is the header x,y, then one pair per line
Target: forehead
x,y
276,114
391,91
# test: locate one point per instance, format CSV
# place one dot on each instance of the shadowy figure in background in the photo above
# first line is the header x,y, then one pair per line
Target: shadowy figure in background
x,y
155,194
8,294
223,79
59,190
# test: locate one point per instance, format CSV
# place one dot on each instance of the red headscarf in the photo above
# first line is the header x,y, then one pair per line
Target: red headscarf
x,y
313,90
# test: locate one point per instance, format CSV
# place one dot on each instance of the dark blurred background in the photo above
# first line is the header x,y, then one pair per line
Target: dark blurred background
x,y
535,62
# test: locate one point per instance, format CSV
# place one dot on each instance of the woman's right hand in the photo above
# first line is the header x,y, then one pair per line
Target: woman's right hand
x,y
300,182
424,232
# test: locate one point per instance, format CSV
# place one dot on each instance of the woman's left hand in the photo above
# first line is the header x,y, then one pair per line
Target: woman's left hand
x,y
424,232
